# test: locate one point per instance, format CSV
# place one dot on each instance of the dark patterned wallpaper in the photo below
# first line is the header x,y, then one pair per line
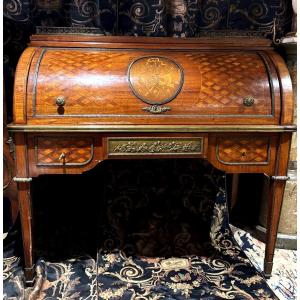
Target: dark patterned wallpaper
x,y
180,18
155,17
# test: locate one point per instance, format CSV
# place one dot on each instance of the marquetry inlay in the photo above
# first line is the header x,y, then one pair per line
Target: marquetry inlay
x,y
155,80
143,146
246,150
50,151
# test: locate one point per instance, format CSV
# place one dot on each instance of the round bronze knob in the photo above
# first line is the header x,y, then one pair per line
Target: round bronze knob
x,y
60,101
248,101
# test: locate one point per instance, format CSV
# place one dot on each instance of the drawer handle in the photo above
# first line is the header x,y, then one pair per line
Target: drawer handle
x,y
248,101
63,158
60,101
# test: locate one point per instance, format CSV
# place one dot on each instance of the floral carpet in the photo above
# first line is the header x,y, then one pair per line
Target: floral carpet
x,y
158,247
284,276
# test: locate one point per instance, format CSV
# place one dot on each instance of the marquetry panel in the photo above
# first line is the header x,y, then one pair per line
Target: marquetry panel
x,y
243,150
76,74
63,151
154,79
191,87
227,78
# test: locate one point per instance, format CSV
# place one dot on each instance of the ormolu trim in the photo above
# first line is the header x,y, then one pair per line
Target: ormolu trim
x,y
49,30
280,178
151,128
22,179
141,146
156,109
58,116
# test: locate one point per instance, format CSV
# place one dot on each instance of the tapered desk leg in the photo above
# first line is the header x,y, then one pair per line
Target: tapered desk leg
x,y
24,199
25,214
276,196
276,192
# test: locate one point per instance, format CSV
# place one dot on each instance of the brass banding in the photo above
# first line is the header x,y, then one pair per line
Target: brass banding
x,y
151,128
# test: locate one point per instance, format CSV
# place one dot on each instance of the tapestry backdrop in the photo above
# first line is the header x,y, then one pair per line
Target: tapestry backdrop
x,y
180,18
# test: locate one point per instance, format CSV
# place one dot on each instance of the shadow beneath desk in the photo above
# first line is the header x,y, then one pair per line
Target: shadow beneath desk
x,y
142,207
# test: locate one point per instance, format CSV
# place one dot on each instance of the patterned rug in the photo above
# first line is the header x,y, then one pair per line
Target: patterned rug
x,y
155,247
283,281
284,276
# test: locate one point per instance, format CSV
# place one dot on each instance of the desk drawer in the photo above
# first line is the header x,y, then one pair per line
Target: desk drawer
x,y
63,151
243,150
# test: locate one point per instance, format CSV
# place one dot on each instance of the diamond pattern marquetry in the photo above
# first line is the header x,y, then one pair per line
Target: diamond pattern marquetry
x,y
76,75
110,83
246,150
75,151
228,78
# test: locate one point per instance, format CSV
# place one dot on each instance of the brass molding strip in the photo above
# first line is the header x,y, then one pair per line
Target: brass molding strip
x,y
21,179
280,178
151,128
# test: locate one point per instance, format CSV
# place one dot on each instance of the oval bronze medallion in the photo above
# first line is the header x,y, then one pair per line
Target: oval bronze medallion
x,y
154,79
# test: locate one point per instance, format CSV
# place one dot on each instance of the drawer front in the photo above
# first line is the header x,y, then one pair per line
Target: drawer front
x,y
161,87
243,150
58,151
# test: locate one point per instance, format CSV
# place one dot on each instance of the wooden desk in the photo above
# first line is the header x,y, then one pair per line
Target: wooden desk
x,y
79,100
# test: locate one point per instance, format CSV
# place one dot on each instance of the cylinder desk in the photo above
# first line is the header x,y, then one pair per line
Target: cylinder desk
x,y
81,99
